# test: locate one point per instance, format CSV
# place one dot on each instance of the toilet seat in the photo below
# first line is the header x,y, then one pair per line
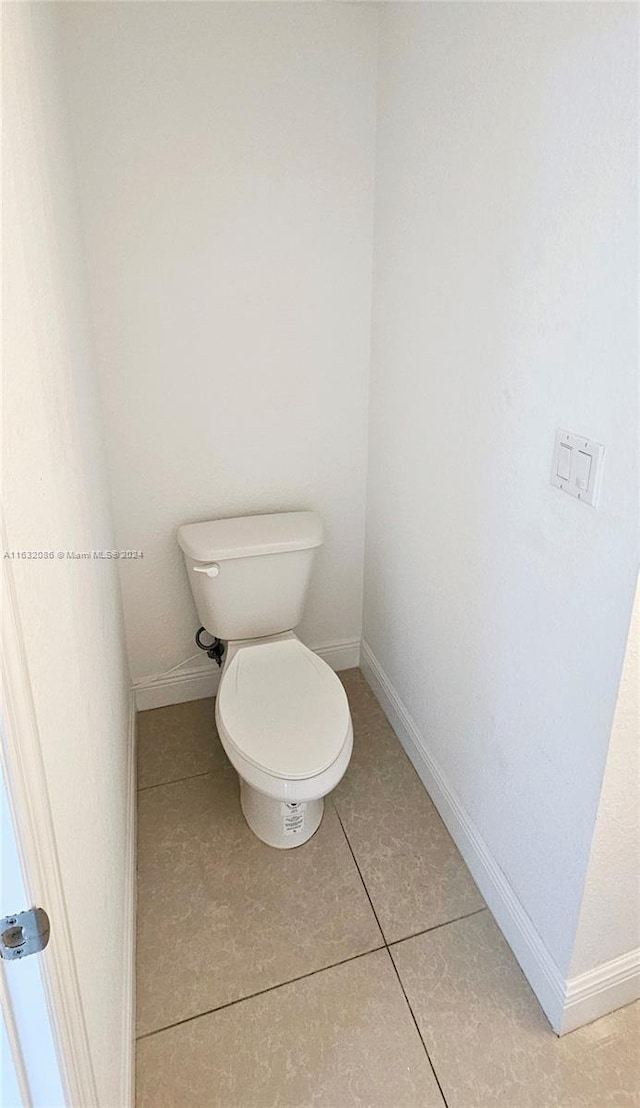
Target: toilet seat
x,y
282,710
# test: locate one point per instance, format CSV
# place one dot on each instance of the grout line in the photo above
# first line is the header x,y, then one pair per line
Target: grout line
x,y
424,1045
261,992
436,927
433,1068
175,780
364,886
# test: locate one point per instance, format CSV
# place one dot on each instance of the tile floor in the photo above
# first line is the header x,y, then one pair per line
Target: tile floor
x,y
360,969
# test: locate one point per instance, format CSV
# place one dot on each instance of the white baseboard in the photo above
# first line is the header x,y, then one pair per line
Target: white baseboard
x,y
568,1004
127,1098
601,990
201,678
340,655
194,682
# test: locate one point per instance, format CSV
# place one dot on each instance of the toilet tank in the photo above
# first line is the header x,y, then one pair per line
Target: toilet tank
x,y
249,576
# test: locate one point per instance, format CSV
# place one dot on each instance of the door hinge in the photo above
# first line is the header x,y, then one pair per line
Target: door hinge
x,y
23,934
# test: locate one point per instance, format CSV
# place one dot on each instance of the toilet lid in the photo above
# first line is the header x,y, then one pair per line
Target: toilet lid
x,y
283,709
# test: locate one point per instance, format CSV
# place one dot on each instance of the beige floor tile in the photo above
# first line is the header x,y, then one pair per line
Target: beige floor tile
x,y
221,915
489,1040
412,869
343,1037
178,741
365,709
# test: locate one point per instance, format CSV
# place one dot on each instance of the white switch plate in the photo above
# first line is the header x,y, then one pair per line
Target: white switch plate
x,y
577,466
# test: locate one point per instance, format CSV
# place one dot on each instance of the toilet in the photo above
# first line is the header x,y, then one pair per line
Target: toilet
x,y
281,712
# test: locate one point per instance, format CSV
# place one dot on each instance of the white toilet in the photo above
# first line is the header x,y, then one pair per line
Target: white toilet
x,y
282,713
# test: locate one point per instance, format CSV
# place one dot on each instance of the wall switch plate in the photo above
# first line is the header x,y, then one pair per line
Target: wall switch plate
x,y
577,466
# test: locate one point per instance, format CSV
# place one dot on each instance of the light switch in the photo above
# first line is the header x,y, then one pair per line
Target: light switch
x,y
577,466
564,461
582,467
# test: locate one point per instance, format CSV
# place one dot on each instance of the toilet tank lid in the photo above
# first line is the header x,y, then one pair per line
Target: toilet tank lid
x,y
248,536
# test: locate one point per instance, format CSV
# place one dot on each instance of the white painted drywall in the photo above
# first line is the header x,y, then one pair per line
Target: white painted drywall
x,y
609,923
55,499
225,154
504,307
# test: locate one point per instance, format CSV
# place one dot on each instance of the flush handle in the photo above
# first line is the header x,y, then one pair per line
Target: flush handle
x,y
211,571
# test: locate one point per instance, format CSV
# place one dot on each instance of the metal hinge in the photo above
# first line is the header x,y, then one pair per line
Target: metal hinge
x,y
23,934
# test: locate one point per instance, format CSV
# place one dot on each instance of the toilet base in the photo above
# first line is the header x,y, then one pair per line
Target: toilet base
x,y
283,824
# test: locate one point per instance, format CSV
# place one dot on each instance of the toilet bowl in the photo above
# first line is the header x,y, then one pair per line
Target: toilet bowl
x,y
281,712
284,722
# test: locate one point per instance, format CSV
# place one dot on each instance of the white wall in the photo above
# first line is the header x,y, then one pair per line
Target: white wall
x,y
55,498
609,923
504,307
225,153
